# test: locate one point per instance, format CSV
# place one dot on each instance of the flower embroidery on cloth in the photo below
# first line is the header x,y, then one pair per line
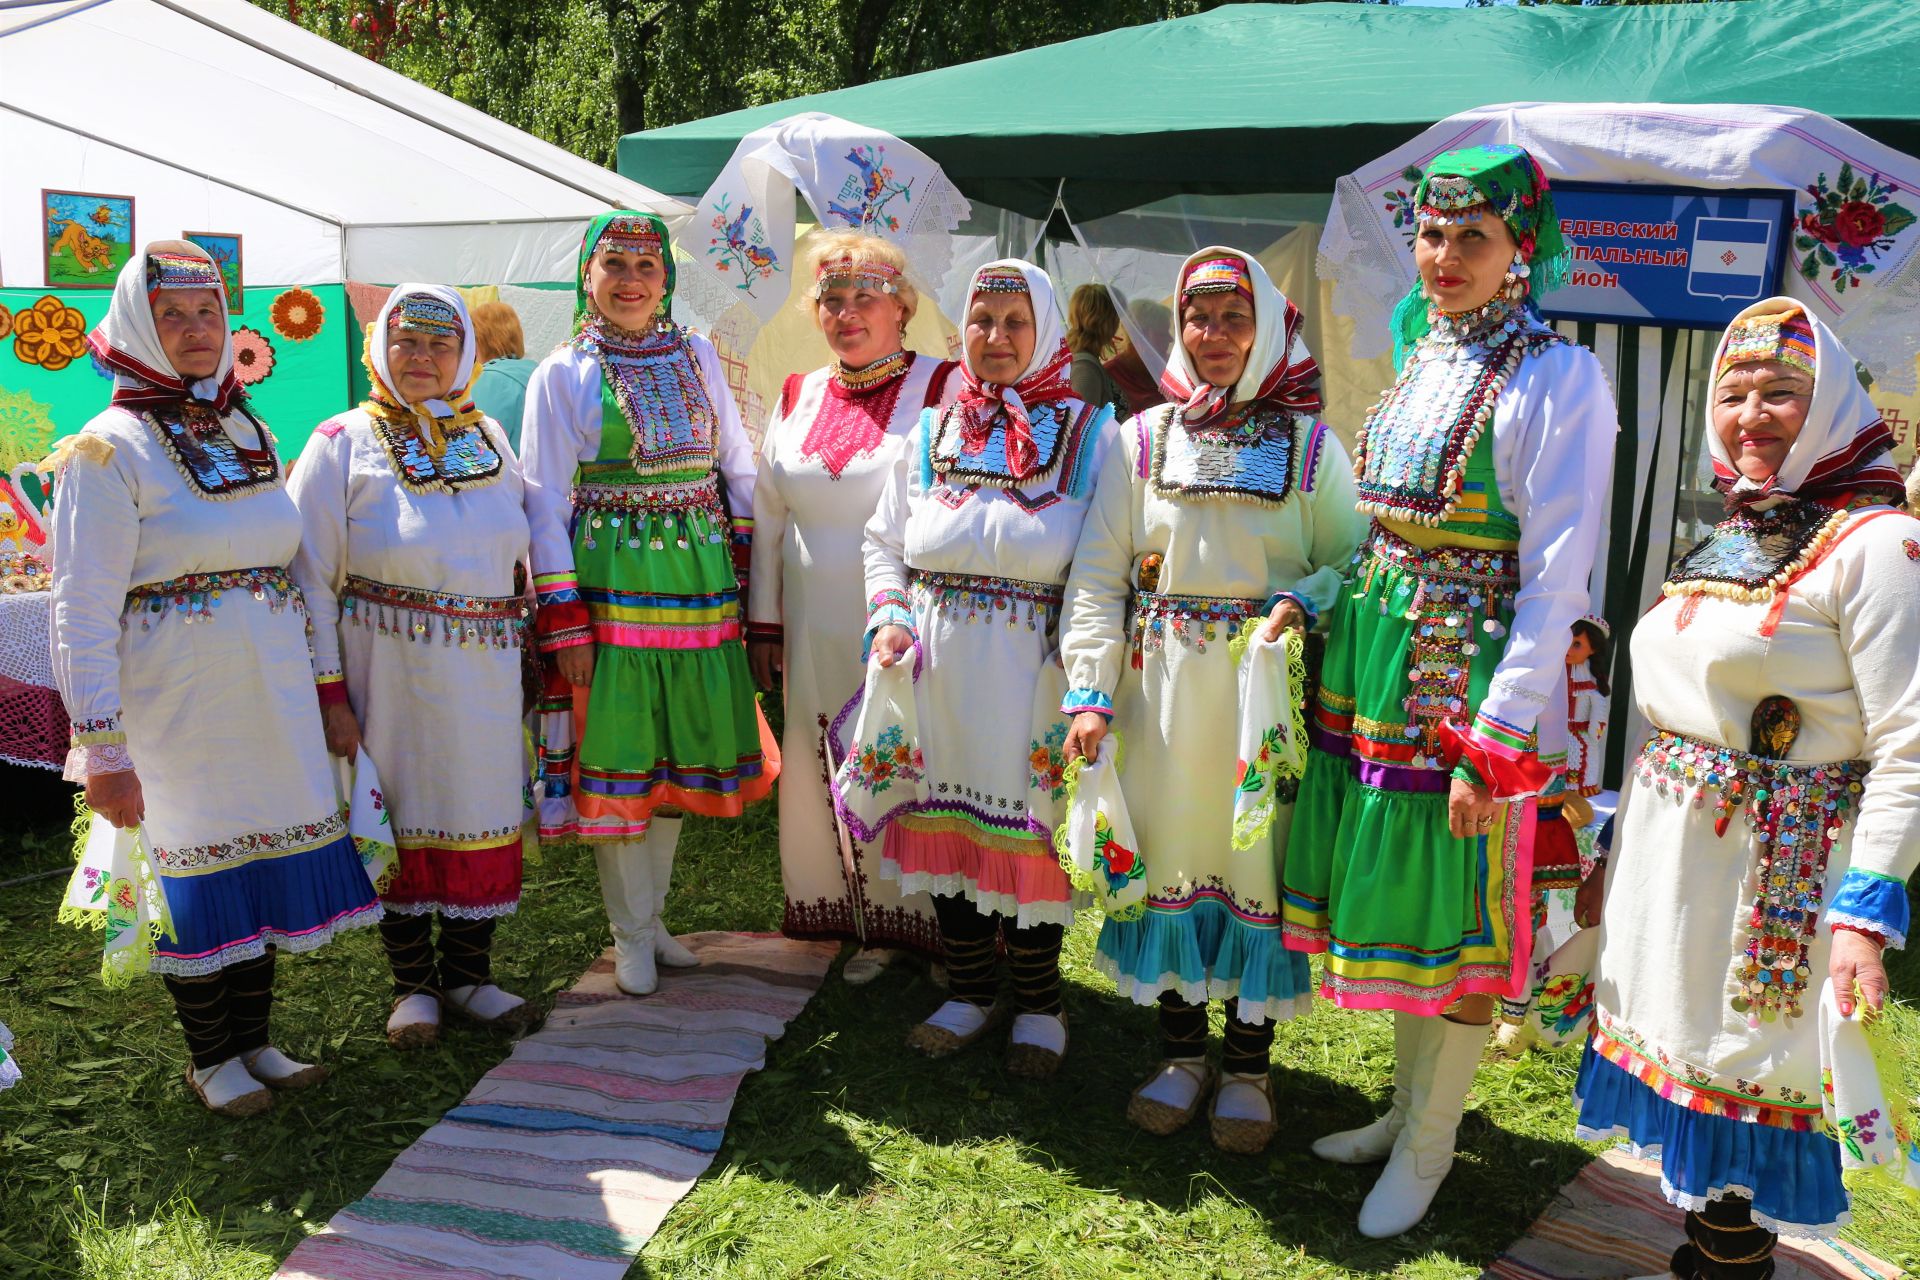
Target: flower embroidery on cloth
x,y
1848,227
1912,549
1047,762
887,758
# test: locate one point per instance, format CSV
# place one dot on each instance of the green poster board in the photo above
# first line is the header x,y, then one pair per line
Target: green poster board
x,y
291,345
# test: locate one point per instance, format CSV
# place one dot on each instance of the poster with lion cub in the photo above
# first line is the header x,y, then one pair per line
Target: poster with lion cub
x,y
88,238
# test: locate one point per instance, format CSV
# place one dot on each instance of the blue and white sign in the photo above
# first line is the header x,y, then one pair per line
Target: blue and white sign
x,y
1673,256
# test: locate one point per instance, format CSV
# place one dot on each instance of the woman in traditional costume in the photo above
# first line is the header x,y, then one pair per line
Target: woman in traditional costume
x,y
180,647
1230,503
966,558
829,449
414,530
1768,828
639,484
1442,707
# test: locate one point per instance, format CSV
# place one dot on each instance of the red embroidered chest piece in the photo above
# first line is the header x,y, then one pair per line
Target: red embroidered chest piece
x,y
855,412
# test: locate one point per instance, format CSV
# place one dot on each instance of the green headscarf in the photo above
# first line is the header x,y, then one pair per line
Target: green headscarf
x,y
627,224
1509,179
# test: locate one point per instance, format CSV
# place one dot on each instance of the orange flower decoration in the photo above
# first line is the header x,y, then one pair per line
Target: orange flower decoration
x,y
297,314
6,321
50,334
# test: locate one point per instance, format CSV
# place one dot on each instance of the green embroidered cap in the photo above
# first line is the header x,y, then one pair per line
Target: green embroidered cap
x,y
630,230
1508,179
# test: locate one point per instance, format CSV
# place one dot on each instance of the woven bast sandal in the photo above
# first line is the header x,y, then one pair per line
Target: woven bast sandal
x,y
412,1035
1035,1061
1163,1119
934,1041
250,1103
1242,1137
518,1018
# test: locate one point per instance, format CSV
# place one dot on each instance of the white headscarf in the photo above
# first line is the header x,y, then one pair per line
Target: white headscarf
x,y
1279,366
1050,328
459,404
1843,444
128,345
983,405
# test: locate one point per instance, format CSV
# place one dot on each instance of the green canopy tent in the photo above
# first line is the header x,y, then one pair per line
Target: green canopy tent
x,y
1287,98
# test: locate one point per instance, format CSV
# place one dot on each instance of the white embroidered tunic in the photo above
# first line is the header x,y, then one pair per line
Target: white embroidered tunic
x,y
818,485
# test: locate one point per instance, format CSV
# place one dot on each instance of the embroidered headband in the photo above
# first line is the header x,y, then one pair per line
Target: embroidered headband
x,y
1450,199
631,235
843,271
1218,275
168,270
1784,337
1000,280
418,313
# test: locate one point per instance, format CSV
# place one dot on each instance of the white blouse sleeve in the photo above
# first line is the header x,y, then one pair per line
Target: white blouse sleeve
x,y
1334,526
1553,452
1875,601
318,487
886,539
95,535
561,429
1093,613
765,588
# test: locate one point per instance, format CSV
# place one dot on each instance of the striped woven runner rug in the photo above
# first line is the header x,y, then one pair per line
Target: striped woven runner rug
x,y
565,1158
1612,1221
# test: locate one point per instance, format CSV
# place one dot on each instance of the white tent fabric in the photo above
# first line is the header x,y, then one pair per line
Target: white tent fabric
x,y
217,116
1783,148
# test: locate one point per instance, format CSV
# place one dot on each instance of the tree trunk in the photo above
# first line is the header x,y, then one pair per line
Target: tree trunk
x,y
869,23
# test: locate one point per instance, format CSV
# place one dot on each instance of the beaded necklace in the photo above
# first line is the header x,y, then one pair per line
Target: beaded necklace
x,y
654,382
468,462
869,376
1411,456
1248,455
215,466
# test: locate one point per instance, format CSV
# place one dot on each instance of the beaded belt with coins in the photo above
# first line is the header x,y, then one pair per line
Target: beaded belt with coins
x,y
987,599
646,514
497,622
1797,812
195,596
1193,621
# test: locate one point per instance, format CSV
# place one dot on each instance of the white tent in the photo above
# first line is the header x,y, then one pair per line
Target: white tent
x,y
218,116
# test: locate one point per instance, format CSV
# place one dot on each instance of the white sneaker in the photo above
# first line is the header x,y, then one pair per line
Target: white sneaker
x,y
276,1070
228,1089
414,1022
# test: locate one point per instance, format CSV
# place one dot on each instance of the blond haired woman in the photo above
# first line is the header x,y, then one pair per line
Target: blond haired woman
x,y
1092,326
828,450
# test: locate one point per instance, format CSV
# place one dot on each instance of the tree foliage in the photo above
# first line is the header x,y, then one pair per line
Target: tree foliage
x,y
580,73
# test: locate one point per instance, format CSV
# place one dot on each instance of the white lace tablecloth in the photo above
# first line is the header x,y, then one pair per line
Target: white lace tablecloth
x,y
35,731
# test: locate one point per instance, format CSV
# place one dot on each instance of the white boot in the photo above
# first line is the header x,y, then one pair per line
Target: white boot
x,y
661,843
1443,1073
626,886
1375,1141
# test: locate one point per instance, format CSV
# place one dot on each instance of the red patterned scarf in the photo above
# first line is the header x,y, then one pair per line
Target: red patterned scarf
x,y
986,405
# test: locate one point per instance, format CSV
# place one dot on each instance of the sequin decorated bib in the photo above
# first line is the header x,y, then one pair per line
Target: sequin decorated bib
x,y
1752,554
215,467
653,383
1249,456
1051,421
468,462
1412,453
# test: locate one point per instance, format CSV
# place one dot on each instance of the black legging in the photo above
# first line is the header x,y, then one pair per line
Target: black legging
x,y
1244,1049
466,948
224,1013
1724,1243
969,940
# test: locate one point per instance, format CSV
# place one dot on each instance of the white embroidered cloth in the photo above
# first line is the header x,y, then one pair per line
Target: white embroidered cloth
x,y
852,177
1099,842
1871,224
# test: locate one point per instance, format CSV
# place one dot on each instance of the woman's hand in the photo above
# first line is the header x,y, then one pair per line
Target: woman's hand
x,y
1084,735
1470,810
890,642
1286,616
117,797
1590,897
575,663
343,731
764,662
1856,959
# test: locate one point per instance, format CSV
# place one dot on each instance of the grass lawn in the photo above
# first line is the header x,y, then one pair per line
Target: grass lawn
x,y
847,1157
